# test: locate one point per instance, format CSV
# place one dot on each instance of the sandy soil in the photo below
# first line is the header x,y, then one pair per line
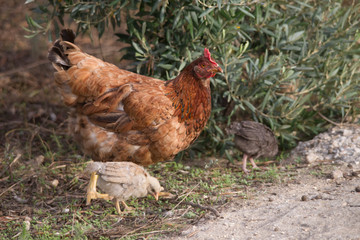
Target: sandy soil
x,y
313,207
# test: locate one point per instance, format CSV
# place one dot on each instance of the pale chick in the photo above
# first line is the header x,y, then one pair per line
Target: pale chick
x,y
120,181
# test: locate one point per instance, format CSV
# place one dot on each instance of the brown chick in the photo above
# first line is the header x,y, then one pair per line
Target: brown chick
x,y
254,140
119,115
120,181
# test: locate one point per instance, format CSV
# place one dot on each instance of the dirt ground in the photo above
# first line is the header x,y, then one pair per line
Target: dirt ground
x,y
312,206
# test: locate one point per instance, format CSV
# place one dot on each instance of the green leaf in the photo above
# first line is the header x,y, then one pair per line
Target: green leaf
x,y
166,66
137,48
249,105
246,12
295,36
209,10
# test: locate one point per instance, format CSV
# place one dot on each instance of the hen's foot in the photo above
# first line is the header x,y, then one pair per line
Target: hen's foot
x,y
91,191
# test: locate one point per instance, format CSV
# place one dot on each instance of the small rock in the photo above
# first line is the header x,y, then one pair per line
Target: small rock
x,y
168,214
347,132
66,210
55,183
318,197
276,229
38,161
271,199
304,198
189,230
27,223
357,189
53,117
337,174
355,174
311,157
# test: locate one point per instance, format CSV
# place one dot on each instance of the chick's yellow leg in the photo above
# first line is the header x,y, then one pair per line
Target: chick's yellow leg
x,y
117,206
91,191
127,208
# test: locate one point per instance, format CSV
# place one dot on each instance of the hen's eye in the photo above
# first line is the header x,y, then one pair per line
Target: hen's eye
x,y
202,65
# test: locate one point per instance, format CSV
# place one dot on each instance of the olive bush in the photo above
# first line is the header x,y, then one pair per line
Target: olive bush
x,y
292,65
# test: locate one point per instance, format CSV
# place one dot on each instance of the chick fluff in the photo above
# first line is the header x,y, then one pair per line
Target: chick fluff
x,y
120,181
254,140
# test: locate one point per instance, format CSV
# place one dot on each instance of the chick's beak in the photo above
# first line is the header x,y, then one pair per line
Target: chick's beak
x,y
156,196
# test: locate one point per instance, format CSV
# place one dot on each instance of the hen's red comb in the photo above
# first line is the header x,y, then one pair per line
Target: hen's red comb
x,y
208,56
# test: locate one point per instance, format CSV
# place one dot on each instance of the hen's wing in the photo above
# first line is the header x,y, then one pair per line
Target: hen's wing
x,y
97,88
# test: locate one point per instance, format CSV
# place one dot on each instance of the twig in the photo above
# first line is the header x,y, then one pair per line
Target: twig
x,y
196,205
18,156
326,119
5,124
21,69
185,197
12,186
139,234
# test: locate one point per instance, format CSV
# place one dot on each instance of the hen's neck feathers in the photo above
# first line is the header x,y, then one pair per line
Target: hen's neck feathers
x,y
191,97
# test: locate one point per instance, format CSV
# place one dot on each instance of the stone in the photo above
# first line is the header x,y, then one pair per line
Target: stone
x,y
340,144
304,198
337,174
311,157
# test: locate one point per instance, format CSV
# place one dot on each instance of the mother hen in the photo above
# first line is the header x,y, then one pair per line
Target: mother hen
x,y
122,116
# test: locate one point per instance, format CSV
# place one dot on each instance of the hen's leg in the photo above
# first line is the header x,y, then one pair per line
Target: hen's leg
x,y
127,208
245,157
253,163
91,191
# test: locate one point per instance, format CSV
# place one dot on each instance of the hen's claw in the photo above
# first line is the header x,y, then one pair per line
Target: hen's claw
x,y
91,191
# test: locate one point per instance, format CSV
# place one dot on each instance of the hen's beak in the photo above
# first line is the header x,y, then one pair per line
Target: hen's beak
x,y
216,69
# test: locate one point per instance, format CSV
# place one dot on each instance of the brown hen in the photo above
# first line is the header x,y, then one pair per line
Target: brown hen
x,y
122,116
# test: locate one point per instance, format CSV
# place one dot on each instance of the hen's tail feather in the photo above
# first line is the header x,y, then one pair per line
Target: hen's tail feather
x,y
57,53
67,35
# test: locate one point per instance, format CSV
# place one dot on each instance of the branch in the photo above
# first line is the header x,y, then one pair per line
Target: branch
x,y
196,205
